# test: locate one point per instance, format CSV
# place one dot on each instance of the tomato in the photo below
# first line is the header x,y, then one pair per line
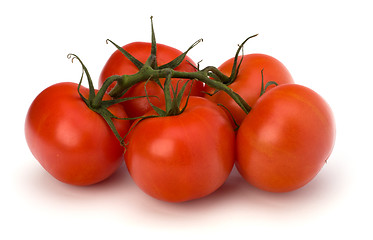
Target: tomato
x,y
118,64
286,139
72,142
248,82
183,157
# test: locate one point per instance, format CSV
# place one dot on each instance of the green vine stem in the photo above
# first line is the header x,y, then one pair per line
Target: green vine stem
x,y
150,71
124,82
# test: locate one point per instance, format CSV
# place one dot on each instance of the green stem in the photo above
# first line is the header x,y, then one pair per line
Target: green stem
x,y
126,81
203,77
217,75
97,100
167,93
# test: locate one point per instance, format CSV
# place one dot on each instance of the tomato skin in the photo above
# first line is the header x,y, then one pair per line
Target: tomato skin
x,y
286,139
183,157
248,82
118,64
73,143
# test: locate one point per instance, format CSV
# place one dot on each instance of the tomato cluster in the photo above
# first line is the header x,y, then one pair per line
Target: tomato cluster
x,y
180,130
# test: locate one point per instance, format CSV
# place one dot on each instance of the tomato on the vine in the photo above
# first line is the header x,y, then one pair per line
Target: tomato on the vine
x,y
118,64
248,82
286,139
182,157
72,142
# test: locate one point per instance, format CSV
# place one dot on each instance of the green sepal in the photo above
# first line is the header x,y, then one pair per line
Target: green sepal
x,y
153,51
234,120
269,84
173,103
108,103
263,88
211,94
137,63
80,94
158,110
92,93
180,96
236,68
108,116
167,94
133,126
178,60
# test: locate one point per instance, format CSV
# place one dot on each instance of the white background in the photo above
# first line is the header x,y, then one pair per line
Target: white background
x,y
326,45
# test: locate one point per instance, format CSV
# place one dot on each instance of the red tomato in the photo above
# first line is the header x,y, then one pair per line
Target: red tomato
x,y
248,82
73,143
118,64
183,157
286,139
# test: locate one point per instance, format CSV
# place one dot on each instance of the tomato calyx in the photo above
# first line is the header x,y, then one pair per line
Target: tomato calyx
x,y
151,71
95,100
172,104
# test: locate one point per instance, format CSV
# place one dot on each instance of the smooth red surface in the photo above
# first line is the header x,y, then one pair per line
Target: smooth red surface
x,y
286,139
183,157
73,143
